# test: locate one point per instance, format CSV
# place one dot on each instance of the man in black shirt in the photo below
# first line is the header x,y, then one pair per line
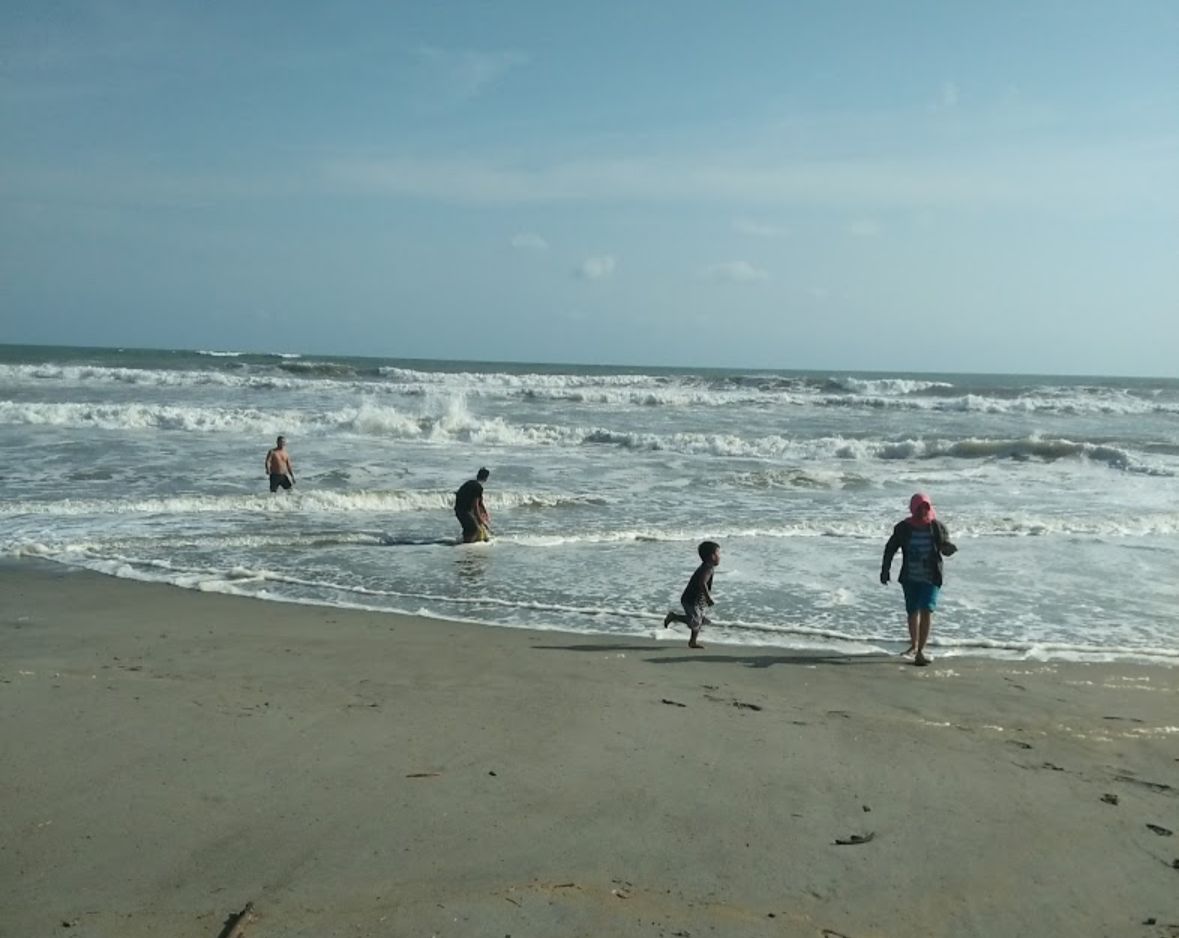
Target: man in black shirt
x,y
470,510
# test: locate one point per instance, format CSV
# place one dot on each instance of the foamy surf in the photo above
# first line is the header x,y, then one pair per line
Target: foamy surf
x,y
148,464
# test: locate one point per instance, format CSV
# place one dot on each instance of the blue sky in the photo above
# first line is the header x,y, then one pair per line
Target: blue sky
x,y
870,185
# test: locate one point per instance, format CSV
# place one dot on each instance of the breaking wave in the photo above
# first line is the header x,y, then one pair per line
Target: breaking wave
x,y
293,501
452,422
617,390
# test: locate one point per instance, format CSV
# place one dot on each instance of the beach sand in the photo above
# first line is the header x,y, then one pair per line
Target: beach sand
x,y
167,756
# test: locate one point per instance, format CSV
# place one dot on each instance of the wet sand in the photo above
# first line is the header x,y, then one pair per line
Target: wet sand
x,y
167,756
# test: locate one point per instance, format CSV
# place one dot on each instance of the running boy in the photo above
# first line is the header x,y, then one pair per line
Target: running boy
x,y
697,595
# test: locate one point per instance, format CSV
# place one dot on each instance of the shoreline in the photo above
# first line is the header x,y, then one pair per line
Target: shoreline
x,y
170,755
811,642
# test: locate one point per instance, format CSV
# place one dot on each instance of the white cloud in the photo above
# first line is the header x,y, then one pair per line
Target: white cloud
x,y
759,229
864,228
1118,176
1066,176
464,74
735,272
597,268
529,241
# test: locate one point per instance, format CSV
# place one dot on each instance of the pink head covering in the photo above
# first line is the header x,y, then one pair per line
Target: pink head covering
x,y
921,509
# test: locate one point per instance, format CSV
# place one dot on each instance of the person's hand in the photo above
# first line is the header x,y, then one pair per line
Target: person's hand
x,y
949,550
884,577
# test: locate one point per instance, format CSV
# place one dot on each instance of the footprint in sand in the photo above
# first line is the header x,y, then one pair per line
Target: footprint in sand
x,y
1153,786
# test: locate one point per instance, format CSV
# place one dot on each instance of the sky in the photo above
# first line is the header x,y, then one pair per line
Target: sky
x,y
900,186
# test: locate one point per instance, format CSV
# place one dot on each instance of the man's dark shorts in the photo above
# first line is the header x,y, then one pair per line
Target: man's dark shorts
x,y
470,525
279,478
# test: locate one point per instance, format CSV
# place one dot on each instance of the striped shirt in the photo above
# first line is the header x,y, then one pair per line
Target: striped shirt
x,y
920,549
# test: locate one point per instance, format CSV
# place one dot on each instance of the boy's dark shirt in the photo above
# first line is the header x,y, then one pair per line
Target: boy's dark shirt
x,y
467,496
901,534
701,581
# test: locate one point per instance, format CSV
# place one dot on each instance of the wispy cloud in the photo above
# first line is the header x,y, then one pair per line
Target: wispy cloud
x,y
462,74
1112,178
529,241
597,268
947,98
864,228
759,229
1071,177
734,272
132,184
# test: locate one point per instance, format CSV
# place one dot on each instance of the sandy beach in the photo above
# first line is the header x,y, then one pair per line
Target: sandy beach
x,y
168,756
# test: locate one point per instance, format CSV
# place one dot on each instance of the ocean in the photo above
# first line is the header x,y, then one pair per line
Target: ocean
x,y
1061,492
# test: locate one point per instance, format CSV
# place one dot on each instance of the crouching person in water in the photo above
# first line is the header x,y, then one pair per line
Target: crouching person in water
x,y
923,541
697,595
472,514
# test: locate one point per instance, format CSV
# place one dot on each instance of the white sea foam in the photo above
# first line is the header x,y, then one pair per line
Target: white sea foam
x,y
34,375
114,466
270,584
607,390
872,530
810,477
892,386
107,416
322,500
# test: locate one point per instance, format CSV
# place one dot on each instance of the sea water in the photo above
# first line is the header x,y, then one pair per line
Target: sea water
x,y
1062,493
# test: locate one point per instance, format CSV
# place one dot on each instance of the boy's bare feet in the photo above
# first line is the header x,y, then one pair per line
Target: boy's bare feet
x,y
695,645
667,620
908,651
921,661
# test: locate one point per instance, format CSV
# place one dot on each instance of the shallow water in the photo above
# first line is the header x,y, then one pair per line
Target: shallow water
x,y
1062,493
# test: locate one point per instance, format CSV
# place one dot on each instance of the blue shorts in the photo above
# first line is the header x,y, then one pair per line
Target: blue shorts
x,y
920,596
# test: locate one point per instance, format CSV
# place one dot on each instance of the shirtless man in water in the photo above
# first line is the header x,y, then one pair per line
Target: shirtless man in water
x,y
278,466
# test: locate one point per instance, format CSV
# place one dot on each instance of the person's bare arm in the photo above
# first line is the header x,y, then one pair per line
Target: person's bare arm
x,y
947,547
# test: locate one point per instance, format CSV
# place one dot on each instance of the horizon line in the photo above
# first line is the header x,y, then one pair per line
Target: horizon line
x,y
230,352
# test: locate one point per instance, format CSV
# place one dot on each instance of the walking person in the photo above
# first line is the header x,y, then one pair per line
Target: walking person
x,y
923,541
